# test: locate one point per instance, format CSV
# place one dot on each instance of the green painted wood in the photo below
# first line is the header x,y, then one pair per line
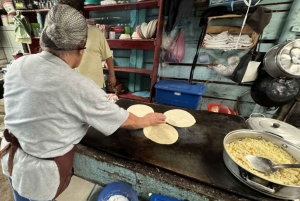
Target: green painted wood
x,y
104,173
159,187
122,62
274,28
275,1
200,73
277,4
224,91
151,14
121,53
264,47
292,20
281,7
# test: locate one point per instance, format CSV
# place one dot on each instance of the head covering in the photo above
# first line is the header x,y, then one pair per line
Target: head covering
x,y
65,29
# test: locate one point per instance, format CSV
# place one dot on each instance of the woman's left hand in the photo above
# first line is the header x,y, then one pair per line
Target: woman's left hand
x,y
112,97
112,80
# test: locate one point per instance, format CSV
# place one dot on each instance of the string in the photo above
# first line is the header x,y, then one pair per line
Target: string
x,y
244,22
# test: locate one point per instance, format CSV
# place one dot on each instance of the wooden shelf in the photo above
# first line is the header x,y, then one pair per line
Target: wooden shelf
x,y
123,6
141,44
130,95
34,11
131,70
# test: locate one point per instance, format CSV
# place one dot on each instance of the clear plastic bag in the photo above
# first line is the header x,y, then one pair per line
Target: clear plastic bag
x,y
175,53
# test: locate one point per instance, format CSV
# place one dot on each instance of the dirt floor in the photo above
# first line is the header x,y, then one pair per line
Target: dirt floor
x,y
5,190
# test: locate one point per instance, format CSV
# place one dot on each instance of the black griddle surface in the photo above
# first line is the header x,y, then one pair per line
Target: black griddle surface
x,y
197,154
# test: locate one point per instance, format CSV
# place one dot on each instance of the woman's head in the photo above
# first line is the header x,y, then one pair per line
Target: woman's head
x,y
65,31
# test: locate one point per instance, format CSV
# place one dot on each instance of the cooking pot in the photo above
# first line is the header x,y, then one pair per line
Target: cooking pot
x,y
270,92
275,126
260,184
272,62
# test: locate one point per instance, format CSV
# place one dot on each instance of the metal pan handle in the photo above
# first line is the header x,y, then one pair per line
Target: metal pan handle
x,y
259,114
257,185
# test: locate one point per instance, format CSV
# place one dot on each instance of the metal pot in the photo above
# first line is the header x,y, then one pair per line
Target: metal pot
x,y
262,185
272,62
269,92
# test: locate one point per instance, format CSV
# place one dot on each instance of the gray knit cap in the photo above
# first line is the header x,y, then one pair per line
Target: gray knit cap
x,y
65,29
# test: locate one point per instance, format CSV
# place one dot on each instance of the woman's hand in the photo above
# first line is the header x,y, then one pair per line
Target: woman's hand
x,y
153,119
112,97
112,80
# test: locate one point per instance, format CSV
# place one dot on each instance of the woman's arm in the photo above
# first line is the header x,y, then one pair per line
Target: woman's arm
x,y
151,119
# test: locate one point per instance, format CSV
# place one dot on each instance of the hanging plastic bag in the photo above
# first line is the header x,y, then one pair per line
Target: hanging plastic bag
x,y
175,53
246,70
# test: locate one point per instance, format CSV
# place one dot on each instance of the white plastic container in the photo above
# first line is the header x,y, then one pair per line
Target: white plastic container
x,y
8,6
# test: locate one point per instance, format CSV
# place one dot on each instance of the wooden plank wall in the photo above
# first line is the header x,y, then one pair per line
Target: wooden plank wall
x,y
219,89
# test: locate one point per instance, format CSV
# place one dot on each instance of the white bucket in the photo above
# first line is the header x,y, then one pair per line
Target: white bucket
x,y
4,20
8,6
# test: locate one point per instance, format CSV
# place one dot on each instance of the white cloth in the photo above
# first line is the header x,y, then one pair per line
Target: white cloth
x,y
226,41
49,108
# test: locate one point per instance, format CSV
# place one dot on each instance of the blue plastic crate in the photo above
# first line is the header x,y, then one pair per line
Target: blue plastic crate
x,y
179,93
157,197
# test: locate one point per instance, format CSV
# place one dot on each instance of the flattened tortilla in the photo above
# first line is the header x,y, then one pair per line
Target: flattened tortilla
x,y
140,110
161,134
179,118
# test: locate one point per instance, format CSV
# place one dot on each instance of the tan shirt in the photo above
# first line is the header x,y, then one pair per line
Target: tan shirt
x,y
97,49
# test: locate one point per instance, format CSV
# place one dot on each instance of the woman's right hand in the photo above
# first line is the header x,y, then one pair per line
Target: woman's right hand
x,y
153,119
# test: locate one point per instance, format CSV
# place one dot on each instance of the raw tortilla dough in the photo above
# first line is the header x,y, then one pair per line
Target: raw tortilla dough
x,y
161,133
140,110
179,118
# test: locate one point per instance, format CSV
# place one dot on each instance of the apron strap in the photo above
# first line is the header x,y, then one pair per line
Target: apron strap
x,y
9,137
64,163
4,150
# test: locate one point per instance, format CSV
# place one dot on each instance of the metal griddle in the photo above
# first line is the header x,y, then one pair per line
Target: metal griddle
x,y
197,154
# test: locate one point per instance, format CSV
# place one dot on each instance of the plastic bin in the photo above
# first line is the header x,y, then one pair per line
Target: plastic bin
x,y
118,188
179,93
157,197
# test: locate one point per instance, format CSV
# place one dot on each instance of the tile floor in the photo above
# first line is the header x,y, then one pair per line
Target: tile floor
x,y
79,190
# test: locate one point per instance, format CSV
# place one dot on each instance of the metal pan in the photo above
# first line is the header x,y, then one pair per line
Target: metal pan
x,y
260,184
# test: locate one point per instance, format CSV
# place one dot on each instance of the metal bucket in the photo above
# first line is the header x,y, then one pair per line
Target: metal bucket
x,y
260,184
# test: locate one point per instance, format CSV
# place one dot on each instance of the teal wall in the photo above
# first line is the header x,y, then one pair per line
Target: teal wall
x,y
219,89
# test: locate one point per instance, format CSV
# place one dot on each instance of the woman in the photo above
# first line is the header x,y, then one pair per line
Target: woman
x,y
49,108
97,50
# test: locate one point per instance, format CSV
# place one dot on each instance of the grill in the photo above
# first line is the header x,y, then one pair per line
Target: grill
x,y
198,153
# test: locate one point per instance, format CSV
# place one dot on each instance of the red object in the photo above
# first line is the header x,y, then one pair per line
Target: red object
x,y
117,29
219,108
